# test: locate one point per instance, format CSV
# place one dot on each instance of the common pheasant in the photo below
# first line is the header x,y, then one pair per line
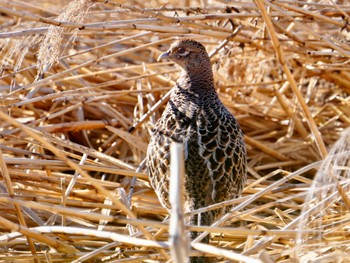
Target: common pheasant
x,y
215,152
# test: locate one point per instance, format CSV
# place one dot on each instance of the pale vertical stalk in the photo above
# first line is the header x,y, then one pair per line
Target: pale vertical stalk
x,y
178,239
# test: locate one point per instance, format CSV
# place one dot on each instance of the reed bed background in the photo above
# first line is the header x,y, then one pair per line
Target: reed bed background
x,y
81,89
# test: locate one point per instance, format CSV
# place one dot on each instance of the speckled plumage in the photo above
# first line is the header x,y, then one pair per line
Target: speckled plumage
x,y
215,154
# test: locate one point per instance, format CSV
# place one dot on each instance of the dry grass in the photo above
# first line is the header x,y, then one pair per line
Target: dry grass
x,y
76,76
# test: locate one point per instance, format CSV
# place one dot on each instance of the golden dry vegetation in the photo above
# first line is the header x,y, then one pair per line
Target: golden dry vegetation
x,y
76,76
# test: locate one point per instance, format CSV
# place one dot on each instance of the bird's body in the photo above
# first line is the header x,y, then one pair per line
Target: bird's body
x,y
215,154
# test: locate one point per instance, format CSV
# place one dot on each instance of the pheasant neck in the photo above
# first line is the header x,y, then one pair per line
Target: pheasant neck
x,y
197,81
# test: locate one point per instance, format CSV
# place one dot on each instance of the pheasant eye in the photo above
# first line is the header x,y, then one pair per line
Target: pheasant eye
x,y
181,50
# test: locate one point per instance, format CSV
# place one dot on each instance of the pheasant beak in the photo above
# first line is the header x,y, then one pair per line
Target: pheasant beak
x,y
163,55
